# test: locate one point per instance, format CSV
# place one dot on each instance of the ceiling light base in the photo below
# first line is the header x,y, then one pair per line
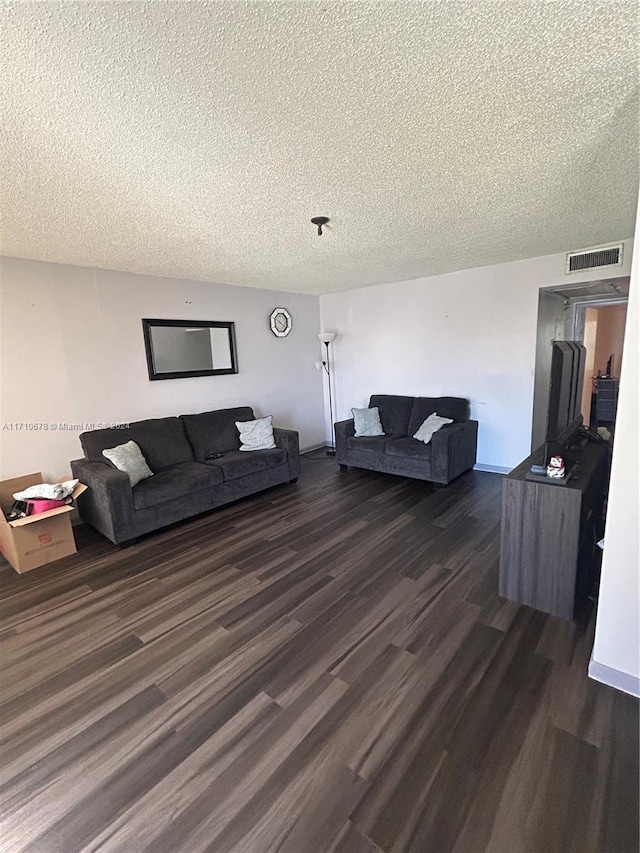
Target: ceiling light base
x,y
319,221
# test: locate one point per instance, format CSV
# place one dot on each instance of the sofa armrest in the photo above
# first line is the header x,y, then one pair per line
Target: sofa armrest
x,y
108,502
343,431
289,440
453,450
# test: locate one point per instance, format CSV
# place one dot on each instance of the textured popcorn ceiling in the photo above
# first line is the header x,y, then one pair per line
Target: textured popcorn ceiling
x,y
196,139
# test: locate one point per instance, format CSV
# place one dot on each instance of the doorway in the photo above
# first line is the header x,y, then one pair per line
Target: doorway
x,y
601,326
595,314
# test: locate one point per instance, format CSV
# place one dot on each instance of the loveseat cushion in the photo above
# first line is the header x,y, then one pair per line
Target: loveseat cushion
x,y
368,443
455,408
162,441
215,432
395,412
174,483
236,463
409,448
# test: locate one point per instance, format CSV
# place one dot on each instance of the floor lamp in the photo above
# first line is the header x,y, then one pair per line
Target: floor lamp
x,y
326,338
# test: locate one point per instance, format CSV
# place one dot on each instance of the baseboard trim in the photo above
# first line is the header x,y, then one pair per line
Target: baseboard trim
x,y
312,448
615,678
492,469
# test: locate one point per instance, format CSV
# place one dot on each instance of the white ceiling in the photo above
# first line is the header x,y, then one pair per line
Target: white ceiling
x,y
196,139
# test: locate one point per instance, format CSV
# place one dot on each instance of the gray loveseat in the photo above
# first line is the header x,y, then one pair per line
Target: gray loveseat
x,y
451,451
186,479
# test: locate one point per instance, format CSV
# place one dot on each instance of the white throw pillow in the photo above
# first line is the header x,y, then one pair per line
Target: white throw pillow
x,y
256,435
367,422
432,424
128,458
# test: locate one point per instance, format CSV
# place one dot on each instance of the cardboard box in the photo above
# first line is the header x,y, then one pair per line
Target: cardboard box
x,y
30,542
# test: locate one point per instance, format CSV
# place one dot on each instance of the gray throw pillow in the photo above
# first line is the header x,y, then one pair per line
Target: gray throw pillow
x,y
367,422
432,424
128,458
257,434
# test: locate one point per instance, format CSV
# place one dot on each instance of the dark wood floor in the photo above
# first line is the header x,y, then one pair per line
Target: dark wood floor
x,y
325,668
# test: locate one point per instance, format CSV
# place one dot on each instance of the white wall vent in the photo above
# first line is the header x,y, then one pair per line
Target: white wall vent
x,y
590,259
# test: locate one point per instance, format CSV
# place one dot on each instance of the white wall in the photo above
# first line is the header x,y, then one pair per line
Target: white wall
x,y
72,350
616,652
470,334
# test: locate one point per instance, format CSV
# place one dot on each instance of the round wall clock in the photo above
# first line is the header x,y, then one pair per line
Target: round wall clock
x,y
280,322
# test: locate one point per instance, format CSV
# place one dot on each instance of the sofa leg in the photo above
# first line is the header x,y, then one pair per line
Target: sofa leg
x,y
127,543
343,467
291,482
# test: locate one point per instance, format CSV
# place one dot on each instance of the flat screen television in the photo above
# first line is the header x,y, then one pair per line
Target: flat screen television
x,y
565,394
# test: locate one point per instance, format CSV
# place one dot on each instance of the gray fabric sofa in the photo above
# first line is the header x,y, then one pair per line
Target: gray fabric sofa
x,y
451,451
186,480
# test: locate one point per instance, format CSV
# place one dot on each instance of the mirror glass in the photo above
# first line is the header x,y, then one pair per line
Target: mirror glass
x,y
182,348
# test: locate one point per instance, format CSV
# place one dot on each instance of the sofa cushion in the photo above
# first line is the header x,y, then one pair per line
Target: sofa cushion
x,y
162,441
394,413
409,448
215,432
455,408
173,483
235,463
368,444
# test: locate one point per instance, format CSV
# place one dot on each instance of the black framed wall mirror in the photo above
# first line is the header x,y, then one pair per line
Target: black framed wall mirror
x,y
177,349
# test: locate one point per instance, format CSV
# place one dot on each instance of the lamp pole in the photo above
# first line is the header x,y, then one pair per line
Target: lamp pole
x,y
326,338
332,449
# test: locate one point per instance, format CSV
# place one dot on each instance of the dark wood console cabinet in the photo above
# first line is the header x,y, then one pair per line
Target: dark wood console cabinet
x,y
548,554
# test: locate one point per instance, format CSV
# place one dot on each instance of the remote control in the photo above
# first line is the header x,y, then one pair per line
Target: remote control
x,y
538,469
